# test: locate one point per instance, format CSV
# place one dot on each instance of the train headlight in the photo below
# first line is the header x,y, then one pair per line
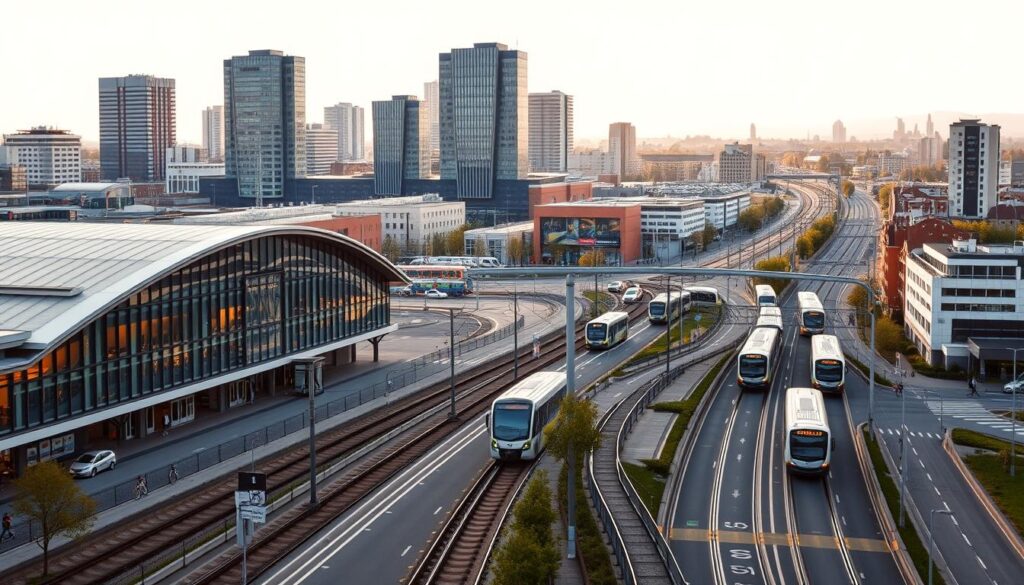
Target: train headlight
x,y
526,446
494,443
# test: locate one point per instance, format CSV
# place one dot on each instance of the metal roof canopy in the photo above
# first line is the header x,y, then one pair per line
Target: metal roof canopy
x,y
994,348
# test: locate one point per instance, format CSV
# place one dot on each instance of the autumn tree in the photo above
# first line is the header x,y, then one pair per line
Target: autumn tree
x,y
848,188
751,218
515,251
47,496
592,258
773,264
456,241
389,248
709,234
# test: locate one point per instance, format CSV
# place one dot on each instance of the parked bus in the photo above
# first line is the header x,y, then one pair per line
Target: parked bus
x,y
703,296
452,280
770,317
608,330
517,417
810,313
677,303
766,296
828,364
757,360
809,442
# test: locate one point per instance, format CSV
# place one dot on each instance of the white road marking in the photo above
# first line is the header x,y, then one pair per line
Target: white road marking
x,y
439,508
406,551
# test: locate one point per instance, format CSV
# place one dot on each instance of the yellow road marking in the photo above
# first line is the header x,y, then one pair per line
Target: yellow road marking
x,y
779,539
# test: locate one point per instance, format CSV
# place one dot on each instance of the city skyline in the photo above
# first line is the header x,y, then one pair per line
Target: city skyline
x,y
796,58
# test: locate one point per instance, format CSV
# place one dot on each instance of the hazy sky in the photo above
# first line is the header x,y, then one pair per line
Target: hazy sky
x,y
671,67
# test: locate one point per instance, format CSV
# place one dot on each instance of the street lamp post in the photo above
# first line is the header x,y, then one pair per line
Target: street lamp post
x,y
931,539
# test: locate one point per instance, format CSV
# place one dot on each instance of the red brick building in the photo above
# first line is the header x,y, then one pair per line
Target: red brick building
x,y
910,203
895,242
363,228
547,193
562,232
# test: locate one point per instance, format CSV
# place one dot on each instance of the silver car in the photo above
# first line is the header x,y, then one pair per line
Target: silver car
x,y
90,463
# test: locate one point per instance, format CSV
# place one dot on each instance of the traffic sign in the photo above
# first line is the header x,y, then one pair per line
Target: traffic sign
x,y
251,496
697,317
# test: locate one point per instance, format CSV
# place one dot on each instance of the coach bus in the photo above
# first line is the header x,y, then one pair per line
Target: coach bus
x,y
809,442
770,317
517,418
608,330
758,358
677,303
810,313
828,364
703,296
766,296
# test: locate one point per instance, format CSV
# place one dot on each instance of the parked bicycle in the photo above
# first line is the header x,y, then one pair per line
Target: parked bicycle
x,y
141,489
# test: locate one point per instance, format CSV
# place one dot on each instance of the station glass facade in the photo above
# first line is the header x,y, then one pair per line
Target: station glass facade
x,y
247,303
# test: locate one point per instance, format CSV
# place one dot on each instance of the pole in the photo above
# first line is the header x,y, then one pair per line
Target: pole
x,y
245,548
451,357
668,330
312,440
570,388
1013,421
515,331
903,454
871,372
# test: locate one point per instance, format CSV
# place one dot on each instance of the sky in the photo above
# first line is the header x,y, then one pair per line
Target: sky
x,y
671,67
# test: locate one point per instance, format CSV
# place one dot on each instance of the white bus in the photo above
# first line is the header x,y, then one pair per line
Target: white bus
x,y
678,304
766,296
810,314
517,417
809,442
770,317
608,330
828,364
703,296
758,358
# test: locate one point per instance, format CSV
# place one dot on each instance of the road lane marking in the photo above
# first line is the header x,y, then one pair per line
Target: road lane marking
x,y
406,551
779,539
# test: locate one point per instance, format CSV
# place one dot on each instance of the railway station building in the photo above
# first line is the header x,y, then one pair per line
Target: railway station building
x,y
118,331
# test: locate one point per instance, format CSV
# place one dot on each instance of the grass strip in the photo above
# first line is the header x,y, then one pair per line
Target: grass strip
x,y
708,319
918,550
991,471
590,546
649,485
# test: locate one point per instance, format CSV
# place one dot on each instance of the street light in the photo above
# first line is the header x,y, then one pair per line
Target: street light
x,y
931,539
313,196
1013,415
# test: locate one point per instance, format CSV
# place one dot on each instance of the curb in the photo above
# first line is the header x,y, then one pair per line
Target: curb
x,y
1000,519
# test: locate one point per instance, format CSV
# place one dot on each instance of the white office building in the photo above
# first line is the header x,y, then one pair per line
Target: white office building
x,y
183,177
551,132
959,292
213,132
410,221
321,149
348,121
590,163
497,240
722,211
973,168
50,156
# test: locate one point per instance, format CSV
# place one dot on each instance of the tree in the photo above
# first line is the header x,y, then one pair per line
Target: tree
x,y
858,299
575,427
592,258
534,512
884,195
521,560
804,246
987,232
709,234
751,218
515,251
48,496
456,241
389,248
848,187
480,247
773,264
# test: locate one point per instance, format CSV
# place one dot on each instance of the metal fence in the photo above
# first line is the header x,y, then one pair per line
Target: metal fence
x,y
159,477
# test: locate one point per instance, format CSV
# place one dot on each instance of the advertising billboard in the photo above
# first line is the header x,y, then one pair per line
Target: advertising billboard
x,y
581,231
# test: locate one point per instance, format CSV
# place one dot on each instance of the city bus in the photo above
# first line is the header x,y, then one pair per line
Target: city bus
x,y
770,317
766,296
517,418
448,279
828,364
810,314
758,358
608,330
809,442
678,304
703,296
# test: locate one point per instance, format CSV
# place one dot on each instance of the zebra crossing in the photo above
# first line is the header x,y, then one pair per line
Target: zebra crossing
x,y
971,411
895,432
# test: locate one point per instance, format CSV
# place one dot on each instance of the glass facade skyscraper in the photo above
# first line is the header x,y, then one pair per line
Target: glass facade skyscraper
x,y
401,143
484,118
137,125
264,122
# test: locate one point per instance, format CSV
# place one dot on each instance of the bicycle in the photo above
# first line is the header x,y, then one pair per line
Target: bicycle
x,y
141,489
172,475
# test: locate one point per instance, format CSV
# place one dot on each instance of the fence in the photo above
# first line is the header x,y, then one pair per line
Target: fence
x,y
419,369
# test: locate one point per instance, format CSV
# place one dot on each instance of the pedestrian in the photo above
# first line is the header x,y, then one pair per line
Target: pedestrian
x,y
141,489
7,532
899,389
973,386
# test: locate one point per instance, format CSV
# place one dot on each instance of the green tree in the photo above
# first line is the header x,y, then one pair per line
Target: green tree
x,y
48,496
804,246
575,429
534,512
709,234
858,299
521,560
889,336
773,206
848,188
456,241
884,195
515,251
439,245
480,247
389,248
773,264
986,231
751,218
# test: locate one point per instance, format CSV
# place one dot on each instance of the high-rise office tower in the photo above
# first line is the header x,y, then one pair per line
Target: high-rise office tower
x,y
838,132
551,129
973,168
401,143
213,133
622,148
753,132
264,122
348,121
432,100
137,124
484,118
321,149
49,156
929,128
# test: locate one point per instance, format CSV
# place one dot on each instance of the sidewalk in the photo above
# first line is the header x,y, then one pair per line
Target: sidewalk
x,y
215,430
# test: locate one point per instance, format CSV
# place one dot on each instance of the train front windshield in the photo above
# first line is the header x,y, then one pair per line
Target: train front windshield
x,y
808,445
766,300
814,320
828,370
511,421
597,331
753,366
657,309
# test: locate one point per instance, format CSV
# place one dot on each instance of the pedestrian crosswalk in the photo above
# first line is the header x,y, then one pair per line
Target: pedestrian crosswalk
x,y
886,432
972,412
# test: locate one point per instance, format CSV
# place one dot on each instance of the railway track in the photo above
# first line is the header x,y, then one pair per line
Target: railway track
x,y
107,554
460,553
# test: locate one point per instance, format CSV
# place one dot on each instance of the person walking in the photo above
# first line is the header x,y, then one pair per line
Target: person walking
x,y
899,388
7,532
972,385
141,489
172,475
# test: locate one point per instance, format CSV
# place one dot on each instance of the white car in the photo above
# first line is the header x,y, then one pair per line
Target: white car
x,y
90,463
616,286
633,295
435,294
1014,386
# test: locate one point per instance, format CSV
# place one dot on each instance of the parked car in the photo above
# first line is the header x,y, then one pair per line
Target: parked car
x,y
633,295
436,294
90,463
617,286
1014,385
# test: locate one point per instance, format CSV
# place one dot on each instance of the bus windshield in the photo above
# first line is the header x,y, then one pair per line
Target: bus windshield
x,y
511,421
657,309
808,445
596,331
814,319
766,300
828,370
753,366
